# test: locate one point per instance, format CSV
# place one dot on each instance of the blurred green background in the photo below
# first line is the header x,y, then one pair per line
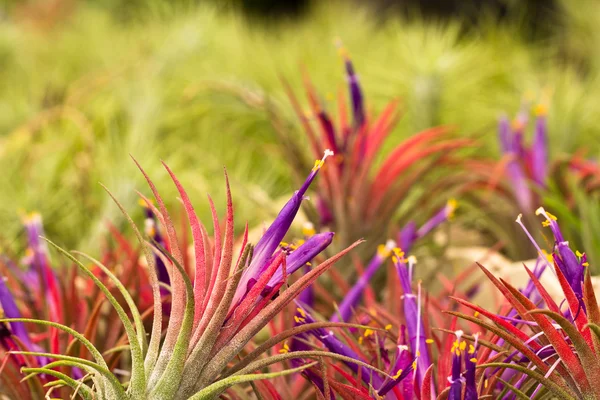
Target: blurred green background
x,y
85,84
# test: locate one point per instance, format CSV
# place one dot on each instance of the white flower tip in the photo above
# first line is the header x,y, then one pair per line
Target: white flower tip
x,y
459,333
412,259
540,211
518,220
390,244
327,154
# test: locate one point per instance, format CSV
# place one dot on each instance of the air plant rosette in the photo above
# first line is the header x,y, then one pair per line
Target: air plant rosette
x,y
543,344
367,192
212,316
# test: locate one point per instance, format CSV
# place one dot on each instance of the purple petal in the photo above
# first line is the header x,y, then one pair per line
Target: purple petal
x,y
354,295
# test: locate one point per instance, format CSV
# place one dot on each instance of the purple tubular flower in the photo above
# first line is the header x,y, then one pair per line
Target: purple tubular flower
x,y
271,239
152,230
443,215
404,369
512,146
564,257
504,134
354,295
412,314
456,381
358,109
410,234
303,255
40,262
539,151
470,365
407,236
12,311
333,344
520,187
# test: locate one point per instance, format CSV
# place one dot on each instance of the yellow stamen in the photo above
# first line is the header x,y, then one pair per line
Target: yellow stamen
x,y
388,327
429,341
540,110
451,207
308,229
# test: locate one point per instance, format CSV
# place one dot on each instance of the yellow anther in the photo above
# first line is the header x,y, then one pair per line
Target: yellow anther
x,y
476,314
471,349
540,110
451,207
485,383
398,374
463,346
578,253
547,255
284,349
429,341
418,354
368,332
388,327
414,365
284,244
586,264
301,312
308,229
473,360
299,319
360,340
321,162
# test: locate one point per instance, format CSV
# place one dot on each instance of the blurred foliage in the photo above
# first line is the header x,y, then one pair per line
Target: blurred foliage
x,y
82,85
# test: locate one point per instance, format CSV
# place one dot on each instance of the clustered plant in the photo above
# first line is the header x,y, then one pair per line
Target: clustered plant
x,y
218,316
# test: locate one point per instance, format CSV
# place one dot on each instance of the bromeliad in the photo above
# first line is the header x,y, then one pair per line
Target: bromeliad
x,y
212,317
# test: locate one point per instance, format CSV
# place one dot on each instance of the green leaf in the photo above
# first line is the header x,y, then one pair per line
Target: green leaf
x,y
138,377
82,389
214,390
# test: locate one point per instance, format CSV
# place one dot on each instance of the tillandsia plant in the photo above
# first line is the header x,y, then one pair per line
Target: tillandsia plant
x,y
366,193
550,345
212,317
398,340
526,175
41,289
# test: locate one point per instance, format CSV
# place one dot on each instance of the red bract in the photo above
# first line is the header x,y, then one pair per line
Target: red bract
x,y
363,189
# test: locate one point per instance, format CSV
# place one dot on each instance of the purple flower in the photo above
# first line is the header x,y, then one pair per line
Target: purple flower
x,y
302,255
358,108
40,263
564,258
539,149
470,358
12,311
335,345
270,241
410,234
153,231
455,379
354,295
412,313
